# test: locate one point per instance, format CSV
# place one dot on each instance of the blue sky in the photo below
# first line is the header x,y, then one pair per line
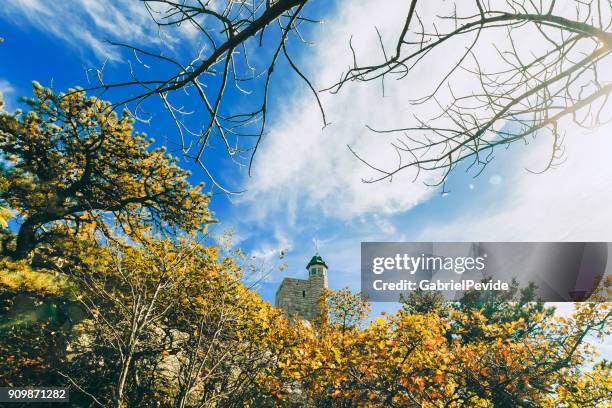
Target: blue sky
x,y
306,184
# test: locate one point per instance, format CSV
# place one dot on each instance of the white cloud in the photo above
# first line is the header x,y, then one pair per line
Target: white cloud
x,y
89,24
300,163
272,249
568,203
7,94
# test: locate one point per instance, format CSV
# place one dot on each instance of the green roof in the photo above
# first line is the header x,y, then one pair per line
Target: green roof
x,y
316,260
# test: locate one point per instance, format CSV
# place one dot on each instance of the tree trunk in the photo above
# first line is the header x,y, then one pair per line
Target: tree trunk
x,y
119,392
26,239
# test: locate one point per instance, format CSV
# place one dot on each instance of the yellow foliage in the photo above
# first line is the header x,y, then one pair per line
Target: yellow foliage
x,y
431,360
19,277
75,161
5,215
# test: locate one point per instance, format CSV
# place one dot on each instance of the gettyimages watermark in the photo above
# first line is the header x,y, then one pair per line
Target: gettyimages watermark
x,y
561,271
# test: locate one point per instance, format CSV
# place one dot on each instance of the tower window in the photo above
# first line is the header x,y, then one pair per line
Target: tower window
x,y
303,293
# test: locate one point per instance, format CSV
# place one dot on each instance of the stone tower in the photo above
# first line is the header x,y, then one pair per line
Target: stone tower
x,y
300,297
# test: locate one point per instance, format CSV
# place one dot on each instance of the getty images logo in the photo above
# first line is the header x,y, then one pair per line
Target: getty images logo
x,y
557,271
431,263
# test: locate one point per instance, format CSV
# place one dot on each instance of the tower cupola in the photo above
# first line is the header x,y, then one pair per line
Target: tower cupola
x,y
316,266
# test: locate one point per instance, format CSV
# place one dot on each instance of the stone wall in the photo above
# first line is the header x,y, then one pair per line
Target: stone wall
x,y
299,297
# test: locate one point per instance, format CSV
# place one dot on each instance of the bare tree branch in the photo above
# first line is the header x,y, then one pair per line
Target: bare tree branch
x,y
529,89
222,68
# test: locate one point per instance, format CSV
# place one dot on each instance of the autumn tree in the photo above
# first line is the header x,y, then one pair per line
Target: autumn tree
x,y
590,388
166,320
429,359
511,306
35,317
159,317
73,162
423,302
5,213
342,310
162,321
